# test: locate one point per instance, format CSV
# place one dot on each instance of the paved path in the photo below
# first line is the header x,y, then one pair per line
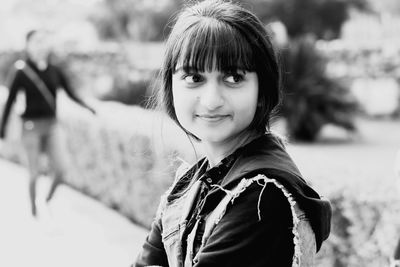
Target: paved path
x,y
75,230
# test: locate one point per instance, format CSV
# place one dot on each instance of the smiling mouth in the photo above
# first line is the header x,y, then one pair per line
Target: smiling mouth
x,y
212,118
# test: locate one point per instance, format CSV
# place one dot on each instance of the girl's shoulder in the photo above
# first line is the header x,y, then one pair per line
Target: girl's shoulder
x,y
18,69
276,205
267,189
19,64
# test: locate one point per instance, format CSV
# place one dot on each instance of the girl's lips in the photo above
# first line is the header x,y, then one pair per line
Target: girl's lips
x,y
212,118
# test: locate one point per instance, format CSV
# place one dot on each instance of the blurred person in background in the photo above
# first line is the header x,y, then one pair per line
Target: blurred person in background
x,y
38,79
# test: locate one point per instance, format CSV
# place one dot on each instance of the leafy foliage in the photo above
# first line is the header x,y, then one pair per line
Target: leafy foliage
x,y
311,99
130,92
322,18
132,19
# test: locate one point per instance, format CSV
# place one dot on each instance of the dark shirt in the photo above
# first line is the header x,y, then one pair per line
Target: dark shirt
x,y
208,178
36,104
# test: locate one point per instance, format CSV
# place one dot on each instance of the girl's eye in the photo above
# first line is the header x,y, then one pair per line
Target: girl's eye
x,y
193,78
234,78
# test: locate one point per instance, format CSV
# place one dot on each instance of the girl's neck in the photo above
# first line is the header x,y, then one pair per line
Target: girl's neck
x,y
41,64
215,152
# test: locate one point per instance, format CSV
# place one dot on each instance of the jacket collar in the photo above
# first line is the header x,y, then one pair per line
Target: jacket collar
x,y
267,155
265,152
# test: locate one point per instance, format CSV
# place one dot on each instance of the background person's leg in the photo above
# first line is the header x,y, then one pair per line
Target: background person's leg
x,y
397,251
56,150
31,141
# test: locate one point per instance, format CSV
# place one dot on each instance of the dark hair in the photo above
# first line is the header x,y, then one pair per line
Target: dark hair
x,y
214,33
29,35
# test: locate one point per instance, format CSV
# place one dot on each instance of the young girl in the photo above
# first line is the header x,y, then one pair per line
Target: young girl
x,y
39,79
245,203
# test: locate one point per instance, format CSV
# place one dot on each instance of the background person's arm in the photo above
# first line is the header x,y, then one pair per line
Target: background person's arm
x,y
66,86
14,86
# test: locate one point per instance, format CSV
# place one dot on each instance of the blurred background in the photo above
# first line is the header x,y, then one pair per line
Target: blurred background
x,y
341,108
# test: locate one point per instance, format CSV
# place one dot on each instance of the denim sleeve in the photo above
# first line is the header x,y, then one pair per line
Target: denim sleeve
x,y
153,252
256,230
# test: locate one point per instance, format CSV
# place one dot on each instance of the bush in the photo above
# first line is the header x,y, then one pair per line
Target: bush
x,y
364,232
311,98
122,158
130,92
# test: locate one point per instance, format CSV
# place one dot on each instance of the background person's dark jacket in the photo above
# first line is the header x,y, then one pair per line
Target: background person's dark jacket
x,y
36,104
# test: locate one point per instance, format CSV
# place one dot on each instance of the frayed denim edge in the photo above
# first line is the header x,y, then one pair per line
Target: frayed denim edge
x,y
262,180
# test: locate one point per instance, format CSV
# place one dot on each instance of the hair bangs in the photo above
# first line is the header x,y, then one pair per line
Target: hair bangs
x,y
210,44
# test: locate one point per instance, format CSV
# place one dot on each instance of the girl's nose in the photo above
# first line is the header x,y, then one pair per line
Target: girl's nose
x,y
211,97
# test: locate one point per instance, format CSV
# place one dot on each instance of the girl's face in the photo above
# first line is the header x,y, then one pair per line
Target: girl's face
x,y
215,106
38,47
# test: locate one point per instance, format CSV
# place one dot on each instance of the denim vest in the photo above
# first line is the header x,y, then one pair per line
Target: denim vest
x,y
174,222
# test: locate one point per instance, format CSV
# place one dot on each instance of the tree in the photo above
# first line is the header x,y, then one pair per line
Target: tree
x,y
322,18
137,20
311,99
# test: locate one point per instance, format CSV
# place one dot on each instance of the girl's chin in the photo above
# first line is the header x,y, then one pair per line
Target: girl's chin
x,y
223,136
211,138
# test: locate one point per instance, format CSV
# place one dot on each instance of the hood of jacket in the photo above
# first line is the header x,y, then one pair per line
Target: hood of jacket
x,y
267,155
